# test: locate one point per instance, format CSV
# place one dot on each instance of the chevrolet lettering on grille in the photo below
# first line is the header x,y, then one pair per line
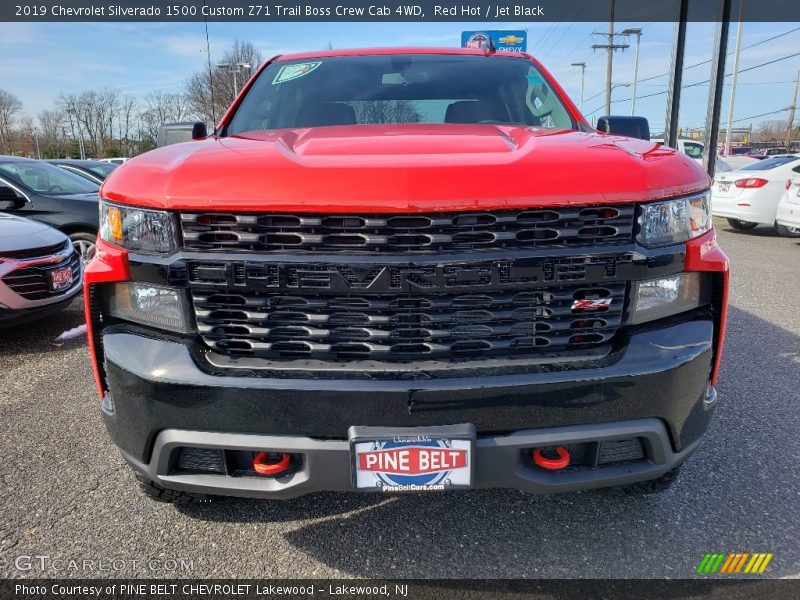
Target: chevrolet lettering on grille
x,y
377,278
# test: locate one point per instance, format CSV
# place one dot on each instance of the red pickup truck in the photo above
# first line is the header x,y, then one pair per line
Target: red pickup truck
x,y
405,270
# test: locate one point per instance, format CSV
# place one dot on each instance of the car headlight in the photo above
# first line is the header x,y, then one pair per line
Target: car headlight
x,y
138,229
658,298
147,304
675,221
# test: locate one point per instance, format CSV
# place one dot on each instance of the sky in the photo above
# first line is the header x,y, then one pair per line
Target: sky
x,y
41,60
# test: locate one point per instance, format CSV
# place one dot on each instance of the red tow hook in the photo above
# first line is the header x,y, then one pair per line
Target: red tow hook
x,y
265,464
552,464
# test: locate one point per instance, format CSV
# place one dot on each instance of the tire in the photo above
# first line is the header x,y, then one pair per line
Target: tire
x,y
742,225
159,494
791,232
84,243
652,486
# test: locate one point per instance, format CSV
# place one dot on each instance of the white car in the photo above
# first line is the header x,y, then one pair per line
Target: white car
x,y
748,197
739,161
115,161
789,206
694,150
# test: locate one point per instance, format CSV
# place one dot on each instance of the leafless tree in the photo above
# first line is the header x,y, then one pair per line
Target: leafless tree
x,y
10,107
769,131
160,108
386,111
125,124
92,116
52,134
210,107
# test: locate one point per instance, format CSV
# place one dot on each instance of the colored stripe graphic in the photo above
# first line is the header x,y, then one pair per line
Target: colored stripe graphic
x,y
733,562
701,568
741,562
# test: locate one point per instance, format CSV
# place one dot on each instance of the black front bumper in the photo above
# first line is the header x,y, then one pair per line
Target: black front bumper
x,y
162,393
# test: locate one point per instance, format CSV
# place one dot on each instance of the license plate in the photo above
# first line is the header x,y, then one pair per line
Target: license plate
x,y
724,186
411,459
61,279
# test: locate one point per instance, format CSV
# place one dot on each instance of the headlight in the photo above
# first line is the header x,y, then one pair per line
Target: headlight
x,y
666,296
157,306
137,229
675,221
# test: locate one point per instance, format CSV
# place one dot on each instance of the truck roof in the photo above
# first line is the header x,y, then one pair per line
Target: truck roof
x,y
398,50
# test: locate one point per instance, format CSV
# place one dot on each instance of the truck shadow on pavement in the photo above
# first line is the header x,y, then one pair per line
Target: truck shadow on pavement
x,y
739,492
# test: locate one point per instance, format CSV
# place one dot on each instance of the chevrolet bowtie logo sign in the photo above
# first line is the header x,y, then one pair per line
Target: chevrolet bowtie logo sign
x,y
511,40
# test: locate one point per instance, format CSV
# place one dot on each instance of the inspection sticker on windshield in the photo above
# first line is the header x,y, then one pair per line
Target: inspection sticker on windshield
x,y
290,72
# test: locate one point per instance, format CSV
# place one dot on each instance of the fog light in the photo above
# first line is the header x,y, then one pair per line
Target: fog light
x,y
666,296
156,306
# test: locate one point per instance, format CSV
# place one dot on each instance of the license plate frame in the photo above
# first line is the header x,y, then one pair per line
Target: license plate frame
x,y
724,186
448,444
61,279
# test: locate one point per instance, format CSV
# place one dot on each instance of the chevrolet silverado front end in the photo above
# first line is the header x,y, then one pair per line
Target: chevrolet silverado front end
x,y
405,270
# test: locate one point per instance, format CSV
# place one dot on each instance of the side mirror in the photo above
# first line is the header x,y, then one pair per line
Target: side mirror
x,y
635,127
176,133
199,131
9,199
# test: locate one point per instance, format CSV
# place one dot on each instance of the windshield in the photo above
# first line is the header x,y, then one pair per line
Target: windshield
x,y
102,170
770,163
414,88
48,179
693,149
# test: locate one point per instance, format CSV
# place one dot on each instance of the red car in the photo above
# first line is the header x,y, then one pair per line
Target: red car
x,y
405,270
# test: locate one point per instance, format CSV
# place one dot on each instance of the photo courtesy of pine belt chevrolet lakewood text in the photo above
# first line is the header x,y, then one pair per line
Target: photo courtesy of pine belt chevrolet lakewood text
x,y
397,270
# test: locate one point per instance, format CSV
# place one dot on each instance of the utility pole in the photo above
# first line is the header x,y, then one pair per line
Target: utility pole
x,y
234,68
610,60
792,109
610,47
582,65
36,140
717,83
732,101
637,31
676,74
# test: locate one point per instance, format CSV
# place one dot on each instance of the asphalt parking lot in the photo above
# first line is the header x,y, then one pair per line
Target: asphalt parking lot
x,y
67,494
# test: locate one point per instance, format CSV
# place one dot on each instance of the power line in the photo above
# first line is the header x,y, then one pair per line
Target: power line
x,y
552,29
705,62
774,112
770,62
555,45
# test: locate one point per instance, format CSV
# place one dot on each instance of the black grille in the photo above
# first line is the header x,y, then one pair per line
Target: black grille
x,y
208,460
33,283
619,451
432,232
36,252
408,326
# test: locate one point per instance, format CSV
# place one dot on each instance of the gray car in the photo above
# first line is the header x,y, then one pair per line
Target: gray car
x,y
40,270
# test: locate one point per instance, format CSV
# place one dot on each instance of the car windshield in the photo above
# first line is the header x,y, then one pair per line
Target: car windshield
x,y
45,178
770,163
693,149
413,88
102,170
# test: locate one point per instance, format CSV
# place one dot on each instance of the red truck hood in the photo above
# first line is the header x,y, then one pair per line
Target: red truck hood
x,y
403,168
